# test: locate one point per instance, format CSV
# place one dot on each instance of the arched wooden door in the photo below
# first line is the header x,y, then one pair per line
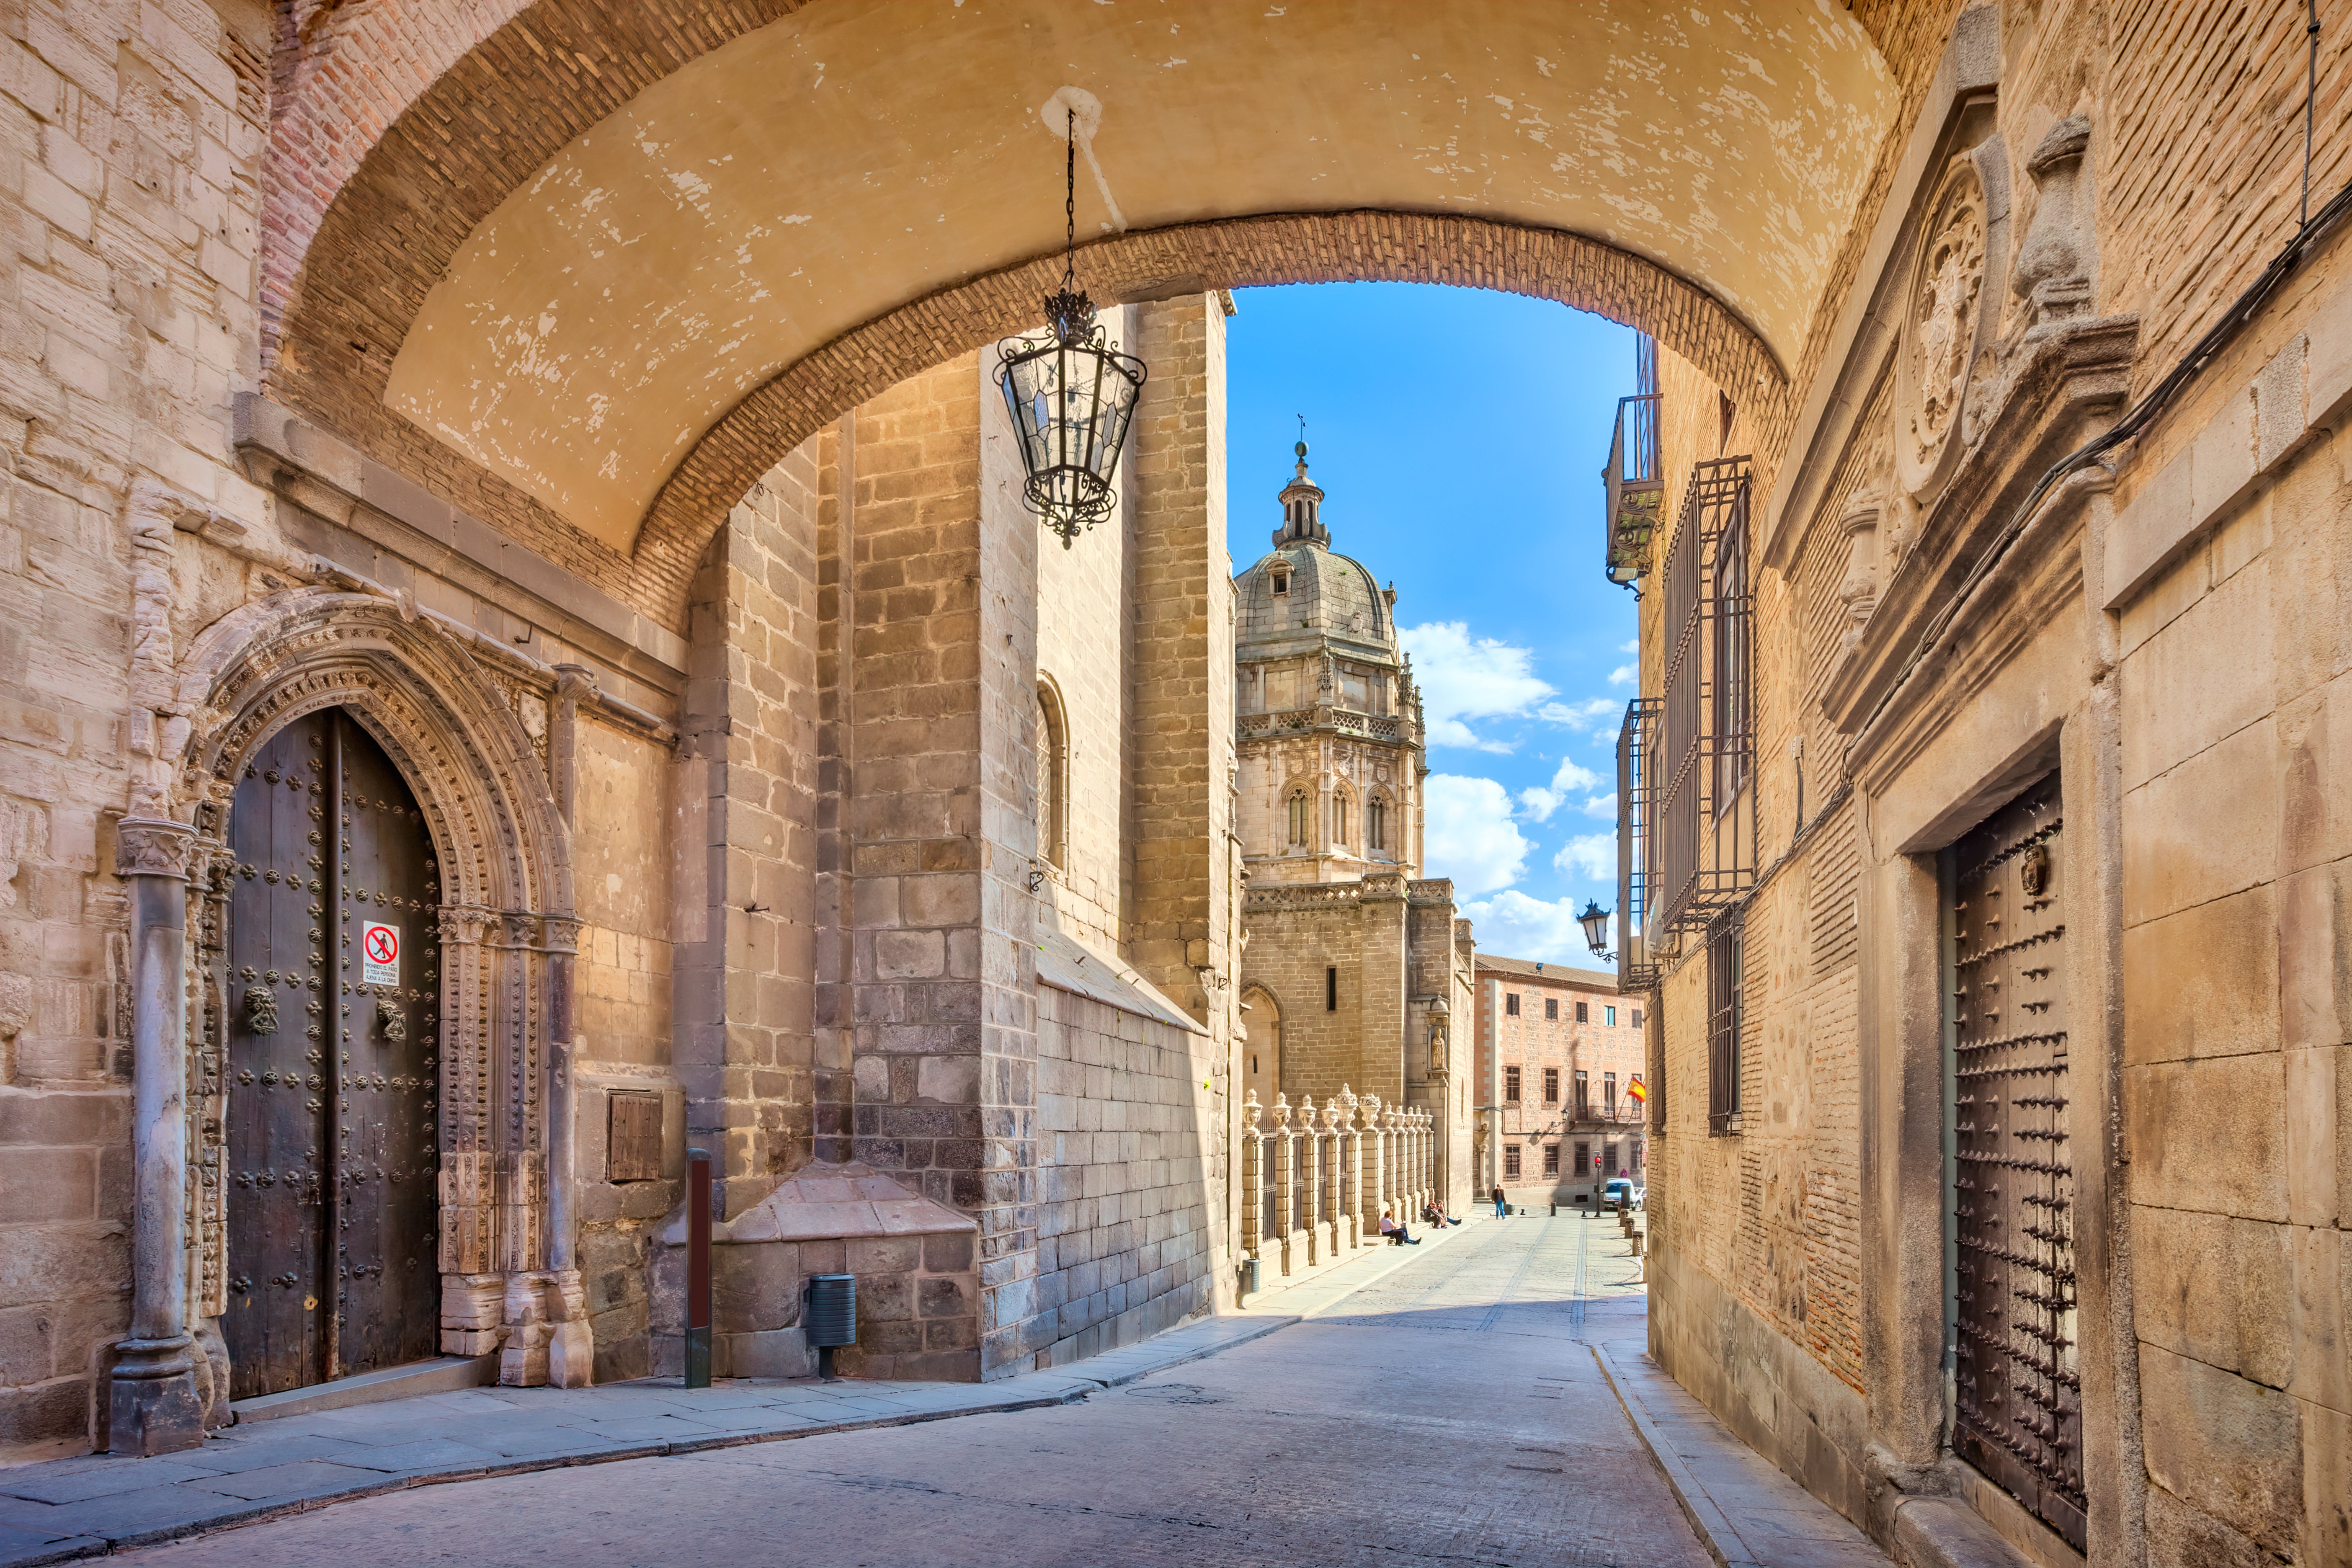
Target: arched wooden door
x,y
333,1028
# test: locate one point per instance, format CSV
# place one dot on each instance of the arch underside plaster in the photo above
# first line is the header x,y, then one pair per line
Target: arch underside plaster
x,y
600,343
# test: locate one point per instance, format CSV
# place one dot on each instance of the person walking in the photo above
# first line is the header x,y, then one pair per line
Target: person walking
x,y
1502,1209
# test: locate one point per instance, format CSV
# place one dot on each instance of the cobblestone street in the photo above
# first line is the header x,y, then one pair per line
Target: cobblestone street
x,y
1452,1411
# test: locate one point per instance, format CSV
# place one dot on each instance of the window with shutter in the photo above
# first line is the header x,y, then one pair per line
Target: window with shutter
x,y
1723,1031
633,1138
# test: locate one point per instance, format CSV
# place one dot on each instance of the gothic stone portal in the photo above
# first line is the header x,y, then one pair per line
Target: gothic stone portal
x,y
333,1025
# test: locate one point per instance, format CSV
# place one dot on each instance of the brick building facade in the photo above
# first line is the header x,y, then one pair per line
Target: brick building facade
x,y
1559,1054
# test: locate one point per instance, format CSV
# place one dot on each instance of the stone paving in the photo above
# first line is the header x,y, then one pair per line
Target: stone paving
x,y
1416,1405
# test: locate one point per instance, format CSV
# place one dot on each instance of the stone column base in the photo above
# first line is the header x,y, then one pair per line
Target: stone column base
x,y
152,1405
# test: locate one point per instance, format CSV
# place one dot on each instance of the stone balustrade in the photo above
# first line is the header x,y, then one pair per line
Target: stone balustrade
x,y
1316,1179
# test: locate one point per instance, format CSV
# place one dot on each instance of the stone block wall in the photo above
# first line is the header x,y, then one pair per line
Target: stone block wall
x,y
917,1296
1129,1200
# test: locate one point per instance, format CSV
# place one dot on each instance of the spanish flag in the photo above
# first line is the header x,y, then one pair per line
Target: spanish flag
x,y
1638,1090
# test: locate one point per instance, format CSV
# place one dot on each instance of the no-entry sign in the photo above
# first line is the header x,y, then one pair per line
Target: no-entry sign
x,y
379,955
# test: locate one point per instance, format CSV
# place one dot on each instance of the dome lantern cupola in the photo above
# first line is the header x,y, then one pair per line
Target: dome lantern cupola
x,y
1302,509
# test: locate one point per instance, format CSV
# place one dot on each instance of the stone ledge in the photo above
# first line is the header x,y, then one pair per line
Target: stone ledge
x,y
1938,1533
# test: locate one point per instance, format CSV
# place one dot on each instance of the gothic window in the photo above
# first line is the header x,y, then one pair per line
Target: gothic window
x,y
1053,776
1376,825
1299,813
1338,821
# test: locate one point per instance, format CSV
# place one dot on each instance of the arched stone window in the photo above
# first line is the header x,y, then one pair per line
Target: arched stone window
x,y
1053,775
1376,826
1300,811
1339,801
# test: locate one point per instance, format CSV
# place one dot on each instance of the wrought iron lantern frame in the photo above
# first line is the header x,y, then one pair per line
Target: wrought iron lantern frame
x,y
1072,395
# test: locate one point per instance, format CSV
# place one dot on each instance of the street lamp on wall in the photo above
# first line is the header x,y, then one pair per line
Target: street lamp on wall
x,y
1595,921
1071,392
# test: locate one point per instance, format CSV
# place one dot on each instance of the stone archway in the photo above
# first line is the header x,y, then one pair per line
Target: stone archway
x,y
599,331
463,738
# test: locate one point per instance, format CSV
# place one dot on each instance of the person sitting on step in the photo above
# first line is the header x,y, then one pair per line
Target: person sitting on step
x,y
1433,1213
1397,1234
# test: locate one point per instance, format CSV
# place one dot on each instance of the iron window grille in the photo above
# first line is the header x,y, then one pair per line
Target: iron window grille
x,y
1636,778
1510,1159
1511,1085
1511,1003
1723,1008
1551,1085
1552,1159
1698,851
1551,1009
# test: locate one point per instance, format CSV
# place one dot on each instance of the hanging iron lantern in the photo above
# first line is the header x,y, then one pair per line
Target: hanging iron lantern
x,y
1071,392
1595,921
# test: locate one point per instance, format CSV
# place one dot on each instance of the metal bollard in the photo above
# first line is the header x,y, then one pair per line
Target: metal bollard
x,y
829,1316
698,1268
1249,1277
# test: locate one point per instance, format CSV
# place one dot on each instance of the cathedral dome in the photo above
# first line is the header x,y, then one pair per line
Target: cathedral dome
x,y
1305,593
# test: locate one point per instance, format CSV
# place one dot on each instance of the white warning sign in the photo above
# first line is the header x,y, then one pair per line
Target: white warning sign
x,y
379,955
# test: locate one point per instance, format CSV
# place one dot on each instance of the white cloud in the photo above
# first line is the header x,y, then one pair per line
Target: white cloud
x,y
1631,645
1593,855
1517,926
1598,715
1468,833
1603,806
1537,803
1623,674
1464,678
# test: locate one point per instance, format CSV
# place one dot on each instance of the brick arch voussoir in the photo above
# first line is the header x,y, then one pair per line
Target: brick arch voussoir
x,y
1306,248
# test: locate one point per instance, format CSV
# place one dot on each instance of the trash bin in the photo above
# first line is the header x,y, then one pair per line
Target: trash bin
x,y
829,1316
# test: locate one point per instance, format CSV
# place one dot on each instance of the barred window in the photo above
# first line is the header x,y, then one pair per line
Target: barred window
x,y
1551,1085
1510,1159
1723,965
1552,1159
1511,1002
1551,1009
1583,1158
1584,1012
1511,1084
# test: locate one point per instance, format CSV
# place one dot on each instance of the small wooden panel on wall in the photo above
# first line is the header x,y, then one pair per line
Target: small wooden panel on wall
x,y
634,1139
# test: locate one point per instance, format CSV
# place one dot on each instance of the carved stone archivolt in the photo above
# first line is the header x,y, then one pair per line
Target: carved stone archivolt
x,y
480,774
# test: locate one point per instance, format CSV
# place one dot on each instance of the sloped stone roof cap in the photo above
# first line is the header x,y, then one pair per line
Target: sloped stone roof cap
x,y
826,1202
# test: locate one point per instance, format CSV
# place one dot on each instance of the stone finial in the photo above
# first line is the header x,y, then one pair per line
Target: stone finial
x,y
2055,259
1251,1111
1282,1113
1306,1111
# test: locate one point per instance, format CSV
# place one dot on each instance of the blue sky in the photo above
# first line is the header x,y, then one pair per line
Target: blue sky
x,y
1459,436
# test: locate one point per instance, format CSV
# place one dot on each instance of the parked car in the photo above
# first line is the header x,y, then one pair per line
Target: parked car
x,y
1622,1193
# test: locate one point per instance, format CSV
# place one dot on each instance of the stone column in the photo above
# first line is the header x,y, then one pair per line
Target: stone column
x,y
1310,1207
1253,1156
1348,1144
1376,1153
570,1351
1285,1199
152,1405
